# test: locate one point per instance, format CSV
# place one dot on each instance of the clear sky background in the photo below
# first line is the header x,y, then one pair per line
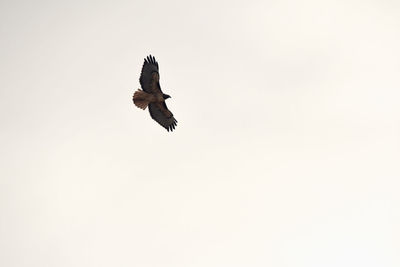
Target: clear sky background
x,y
286,152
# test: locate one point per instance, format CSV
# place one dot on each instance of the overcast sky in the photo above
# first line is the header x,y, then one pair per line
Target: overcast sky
x,y
286,152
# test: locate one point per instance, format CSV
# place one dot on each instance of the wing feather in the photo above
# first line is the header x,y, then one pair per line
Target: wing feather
x,y
161,114
150,77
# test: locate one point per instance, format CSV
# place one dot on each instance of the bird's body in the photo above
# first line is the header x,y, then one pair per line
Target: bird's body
x,y
151,95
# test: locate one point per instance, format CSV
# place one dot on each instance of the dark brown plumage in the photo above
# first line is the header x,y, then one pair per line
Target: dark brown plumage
x,y
151,95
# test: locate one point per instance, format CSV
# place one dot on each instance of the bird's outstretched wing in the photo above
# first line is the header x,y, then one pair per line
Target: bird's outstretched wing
x,y
161,114
149,77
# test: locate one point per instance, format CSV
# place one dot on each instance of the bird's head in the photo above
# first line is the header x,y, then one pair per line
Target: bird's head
x,y
165,96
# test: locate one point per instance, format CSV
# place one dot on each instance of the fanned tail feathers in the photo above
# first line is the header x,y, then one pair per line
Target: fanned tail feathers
x,y
141,99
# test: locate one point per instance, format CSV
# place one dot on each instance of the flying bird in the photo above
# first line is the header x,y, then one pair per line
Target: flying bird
x,y
151,95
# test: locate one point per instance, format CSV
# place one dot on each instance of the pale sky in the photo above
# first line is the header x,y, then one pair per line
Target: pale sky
x,y
286,152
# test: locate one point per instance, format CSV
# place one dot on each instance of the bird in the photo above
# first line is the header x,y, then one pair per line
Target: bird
x,y
150,95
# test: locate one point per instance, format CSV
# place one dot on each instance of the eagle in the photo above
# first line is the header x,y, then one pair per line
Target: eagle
x,y
151,95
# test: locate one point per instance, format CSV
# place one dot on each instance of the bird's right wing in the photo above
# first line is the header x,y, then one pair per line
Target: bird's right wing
x,y
149,77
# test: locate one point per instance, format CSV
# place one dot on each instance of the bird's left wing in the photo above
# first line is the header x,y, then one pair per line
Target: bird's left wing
x,y
161,114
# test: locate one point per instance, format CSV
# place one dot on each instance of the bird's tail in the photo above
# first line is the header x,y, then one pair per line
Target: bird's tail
x,y
141,99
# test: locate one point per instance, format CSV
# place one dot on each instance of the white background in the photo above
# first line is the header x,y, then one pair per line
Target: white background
x,y
286,151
